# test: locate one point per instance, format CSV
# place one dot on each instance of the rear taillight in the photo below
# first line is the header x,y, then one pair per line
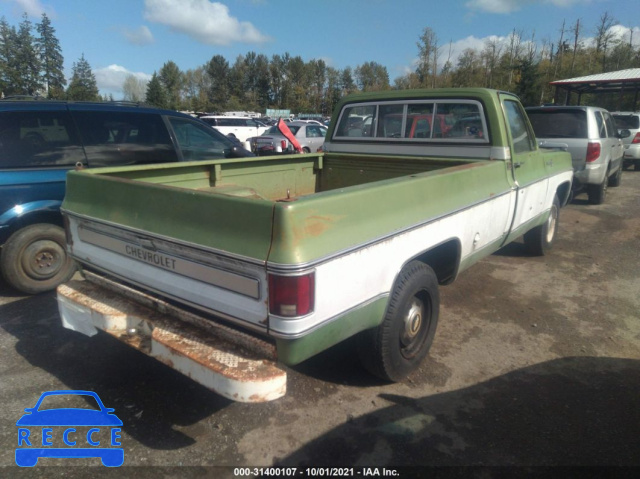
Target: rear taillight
x,y
283,144
291,296
593,152
636,139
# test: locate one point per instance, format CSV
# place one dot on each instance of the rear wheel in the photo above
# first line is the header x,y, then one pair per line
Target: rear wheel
x,y
540,239
597,193
34,259
399,344
615,179
636,165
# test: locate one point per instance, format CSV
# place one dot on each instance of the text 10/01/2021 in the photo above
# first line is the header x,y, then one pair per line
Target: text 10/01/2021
x,y
314,472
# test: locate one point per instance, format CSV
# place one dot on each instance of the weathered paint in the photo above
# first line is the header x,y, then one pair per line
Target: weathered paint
x,y
352,219
371,211
210,360
359,318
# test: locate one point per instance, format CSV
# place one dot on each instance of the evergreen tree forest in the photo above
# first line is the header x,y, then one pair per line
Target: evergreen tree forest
x,y
31,63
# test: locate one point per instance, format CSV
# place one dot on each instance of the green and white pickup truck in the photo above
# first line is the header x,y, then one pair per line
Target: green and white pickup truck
x,y
228,269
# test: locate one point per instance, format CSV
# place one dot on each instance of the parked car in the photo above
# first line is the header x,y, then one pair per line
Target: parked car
x,y
590,135
41,140
238,127
626,120
309,135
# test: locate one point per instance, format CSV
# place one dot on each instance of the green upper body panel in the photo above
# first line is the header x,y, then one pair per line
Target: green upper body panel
x,y
297,209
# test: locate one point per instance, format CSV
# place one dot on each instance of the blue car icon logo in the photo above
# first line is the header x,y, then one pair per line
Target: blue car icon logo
x,y
69,432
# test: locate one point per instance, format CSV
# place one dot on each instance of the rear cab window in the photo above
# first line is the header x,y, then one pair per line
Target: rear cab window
x,y
414,121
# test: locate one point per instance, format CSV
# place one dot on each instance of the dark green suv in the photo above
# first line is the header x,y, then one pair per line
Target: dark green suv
x,y
41,140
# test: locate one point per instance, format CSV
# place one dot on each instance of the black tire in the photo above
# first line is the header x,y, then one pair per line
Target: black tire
x,y
306,150
636,165
399,344
540,239
614,180
34,259
597,193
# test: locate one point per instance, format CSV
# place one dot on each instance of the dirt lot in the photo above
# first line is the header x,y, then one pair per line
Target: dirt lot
x,y
536,362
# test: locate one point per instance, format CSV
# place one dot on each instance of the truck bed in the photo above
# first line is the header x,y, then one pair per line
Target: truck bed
x,y
278,179
292,200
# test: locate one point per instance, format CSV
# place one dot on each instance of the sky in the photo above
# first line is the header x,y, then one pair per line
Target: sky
x,y
122,37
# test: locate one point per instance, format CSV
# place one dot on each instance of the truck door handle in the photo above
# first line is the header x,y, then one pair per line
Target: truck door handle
x,y
518,164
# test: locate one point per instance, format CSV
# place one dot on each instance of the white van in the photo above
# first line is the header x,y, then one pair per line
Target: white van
x,y
241,128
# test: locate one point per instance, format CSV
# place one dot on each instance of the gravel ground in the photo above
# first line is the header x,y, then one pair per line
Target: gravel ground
x,y
536,362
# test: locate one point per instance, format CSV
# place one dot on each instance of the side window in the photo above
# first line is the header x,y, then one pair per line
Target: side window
x,y
31,139
611,127
602,129
522,141
313,131
113,138
199,142
356,122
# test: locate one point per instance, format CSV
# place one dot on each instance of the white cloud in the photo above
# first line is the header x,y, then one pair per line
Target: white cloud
x,y
139,36
110,79
619,33
625,34
33,8
471,42
208,22
508,6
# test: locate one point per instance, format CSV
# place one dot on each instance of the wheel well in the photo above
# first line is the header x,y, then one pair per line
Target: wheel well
x,y
49,217
564,193
444,259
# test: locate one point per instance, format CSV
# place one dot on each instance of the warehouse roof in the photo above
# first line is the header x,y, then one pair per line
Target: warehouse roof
x,y
627,80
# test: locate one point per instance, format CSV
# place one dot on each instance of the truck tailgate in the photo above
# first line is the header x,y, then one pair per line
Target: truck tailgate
x,y
207,250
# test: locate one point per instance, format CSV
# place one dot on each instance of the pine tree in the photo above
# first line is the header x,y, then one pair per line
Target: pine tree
x,y
51,57
527,85
172,80
26,60
7,73
218,71
156,95
83,84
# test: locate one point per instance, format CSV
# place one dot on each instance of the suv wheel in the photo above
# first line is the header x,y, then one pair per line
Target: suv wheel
x,y
615,179
34,259
597,193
